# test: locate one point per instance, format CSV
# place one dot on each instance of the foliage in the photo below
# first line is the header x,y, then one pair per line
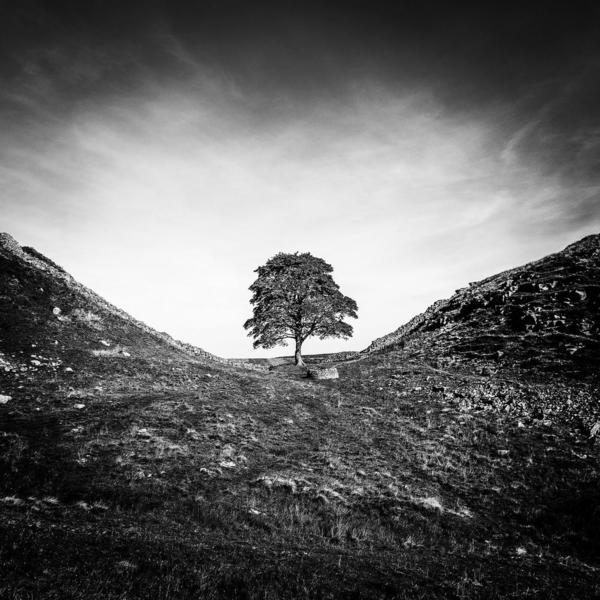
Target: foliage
x,y
295,297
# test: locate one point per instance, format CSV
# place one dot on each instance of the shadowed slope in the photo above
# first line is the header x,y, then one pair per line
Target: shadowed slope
x,y
525,341
543,315
54,329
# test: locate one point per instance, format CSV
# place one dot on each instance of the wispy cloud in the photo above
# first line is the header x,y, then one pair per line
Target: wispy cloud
x,y
172,200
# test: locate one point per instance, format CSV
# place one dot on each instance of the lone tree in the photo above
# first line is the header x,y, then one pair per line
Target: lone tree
x,y
295,297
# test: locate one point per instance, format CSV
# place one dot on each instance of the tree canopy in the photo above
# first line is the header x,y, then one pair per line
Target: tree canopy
x,y
295,297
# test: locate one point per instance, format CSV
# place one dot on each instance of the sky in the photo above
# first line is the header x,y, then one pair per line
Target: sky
x,y
160,151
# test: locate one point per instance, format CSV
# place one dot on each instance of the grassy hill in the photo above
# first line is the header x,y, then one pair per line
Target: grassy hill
x,y
430,469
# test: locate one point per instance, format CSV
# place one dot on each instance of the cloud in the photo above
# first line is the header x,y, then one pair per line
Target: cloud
x,y
172,200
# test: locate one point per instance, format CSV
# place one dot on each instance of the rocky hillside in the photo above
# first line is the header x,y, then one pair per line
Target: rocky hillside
x,y
53,329
544,315
538,324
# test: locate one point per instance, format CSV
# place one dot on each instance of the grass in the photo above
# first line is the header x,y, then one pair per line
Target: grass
x,y
377,485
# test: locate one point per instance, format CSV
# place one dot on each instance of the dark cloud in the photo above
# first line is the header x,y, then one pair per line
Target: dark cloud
x,y
532,69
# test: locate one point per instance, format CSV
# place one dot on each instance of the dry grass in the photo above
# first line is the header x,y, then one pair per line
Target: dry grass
x,y
260,486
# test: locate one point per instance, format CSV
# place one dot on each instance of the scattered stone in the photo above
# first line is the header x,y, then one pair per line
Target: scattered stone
x,y
143,433
12,500
125,565
193,434
227,464
323,373
277,481
228,451
432,503
464,512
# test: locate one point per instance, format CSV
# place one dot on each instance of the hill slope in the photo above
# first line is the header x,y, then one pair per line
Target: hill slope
x,y
543,315
538,324
53,329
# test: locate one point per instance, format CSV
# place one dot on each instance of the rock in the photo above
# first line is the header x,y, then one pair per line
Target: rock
x,y
322,373
228,451
143,433
432,503
68,370
5,399
56,311
192,433
79,406
276,481
9,243
503,452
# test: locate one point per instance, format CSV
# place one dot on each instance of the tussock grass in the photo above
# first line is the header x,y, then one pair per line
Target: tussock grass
x,y
260,486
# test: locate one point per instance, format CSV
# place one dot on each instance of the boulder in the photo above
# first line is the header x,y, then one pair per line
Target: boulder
x,y
322,373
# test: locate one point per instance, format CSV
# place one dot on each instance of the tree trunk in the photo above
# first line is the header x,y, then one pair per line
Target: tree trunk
x,y
298,356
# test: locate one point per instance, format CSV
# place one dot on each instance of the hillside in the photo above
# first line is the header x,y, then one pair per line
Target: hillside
x,y
538,324
155,471
55,330
543,315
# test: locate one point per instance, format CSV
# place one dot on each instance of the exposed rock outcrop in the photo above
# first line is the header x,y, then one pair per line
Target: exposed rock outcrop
x,y
545,314
532,334
322,373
